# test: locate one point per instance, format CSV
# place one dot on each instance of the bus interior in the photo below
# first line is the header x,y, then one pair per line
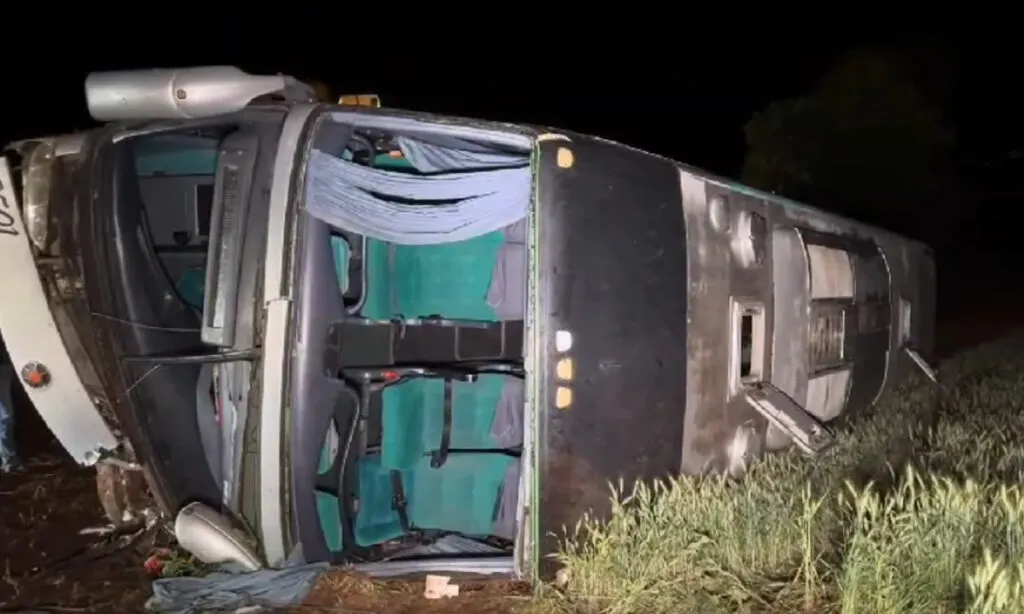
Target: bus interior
x,y
427,336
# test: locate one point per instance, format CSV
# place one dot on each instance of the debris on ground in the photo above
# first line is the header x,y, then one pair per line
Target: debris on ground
x,y
439,587
345,590
52,557
225,591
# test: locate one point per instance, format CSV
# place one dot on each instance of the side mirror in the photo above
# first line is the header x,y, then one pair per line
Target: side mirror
x,y
212,538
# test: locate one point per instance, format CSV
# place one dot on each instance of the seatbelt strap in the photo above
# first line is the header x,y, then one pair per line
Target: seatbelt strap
x,y
440,456
398,501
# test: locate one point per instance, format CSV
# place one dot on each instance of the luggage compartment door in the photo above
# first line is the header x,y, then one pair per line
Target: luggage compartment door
x,y
848,325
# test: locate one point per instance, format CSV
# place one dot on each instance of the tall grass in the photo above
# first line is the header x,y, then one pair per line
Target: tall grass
x,y
919,508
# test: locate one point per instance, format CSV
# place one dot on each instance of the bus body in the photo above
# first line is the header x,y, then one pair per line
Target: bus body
x,y
417,343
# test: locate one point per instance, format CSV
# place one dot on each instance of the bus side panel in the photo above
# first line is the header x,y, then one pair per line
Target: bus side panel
x,y
924,334
910,277
868,315
818,305
912,269
611,319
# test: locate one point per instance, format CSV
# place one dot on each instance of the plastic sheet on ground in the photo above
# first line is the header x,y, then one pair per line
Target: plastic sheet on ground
x,y
221,591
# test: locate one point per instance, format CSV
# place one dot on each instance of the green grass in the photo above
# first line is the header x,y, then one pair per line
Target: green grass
x,y
919,508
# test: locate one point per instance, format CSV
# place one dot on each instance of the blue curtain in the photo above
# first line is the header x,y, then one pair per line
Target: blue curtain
x,y
432,158
466,193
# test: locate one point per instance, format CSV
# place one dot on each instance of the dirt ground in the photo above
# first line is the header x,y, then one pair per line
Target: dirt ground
x,y
47,565
350,593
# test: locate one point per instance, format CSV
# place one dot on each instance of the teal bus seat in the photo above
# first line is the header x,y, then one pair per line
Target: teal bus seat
x,y
328,506
169,157
412,418
450,280
415,281
191,286
182,157
378,304
342,255
461,497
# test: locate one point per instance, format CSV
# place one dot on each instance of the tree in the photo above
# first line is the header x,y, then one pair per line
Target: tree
x,y
866,141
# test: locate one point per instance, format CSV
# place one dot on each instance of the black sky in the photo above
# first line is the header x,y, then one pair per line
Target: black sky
x,y
690,103
691,107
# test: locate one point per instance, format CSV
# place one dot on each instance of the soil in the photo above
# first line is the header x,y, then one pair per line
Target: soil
x,y
341,591
46,562
48,565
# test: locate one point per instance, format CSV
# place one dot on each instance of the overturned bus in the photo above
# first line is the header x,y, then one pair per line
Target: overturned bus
x,y
410,342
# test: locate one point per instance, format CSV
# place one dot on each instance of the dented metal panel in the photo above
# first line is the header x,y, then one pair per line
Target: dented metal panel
x,y
826,285
724,266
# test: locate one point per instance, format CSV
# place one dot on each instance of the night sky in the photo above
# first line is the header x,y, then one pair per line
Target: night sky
x,y
690,104
692,108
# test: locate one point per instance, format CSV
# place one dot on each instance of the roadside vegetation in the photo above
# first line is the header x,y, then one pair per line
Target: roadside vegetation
x,y
918,509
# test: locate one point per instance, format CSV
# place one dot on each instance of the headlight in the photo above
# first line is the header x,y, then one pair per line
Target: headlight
x,y
37,178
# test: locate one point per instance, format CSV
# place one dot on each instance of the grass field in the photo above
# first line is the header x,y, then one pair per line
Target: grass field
x,y
918,509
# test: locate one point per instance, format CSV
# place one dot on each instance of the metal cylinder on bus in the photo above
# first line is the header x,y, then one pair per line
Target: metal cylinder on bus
x,y
175,93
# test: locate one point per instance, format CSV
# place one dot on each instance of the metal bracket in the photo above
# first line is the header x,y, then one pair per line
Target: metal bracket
x,y
921,363
807,432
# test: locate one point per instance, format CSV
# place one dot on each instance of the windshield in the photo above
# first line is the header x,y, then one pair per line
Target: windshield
x,y
181,242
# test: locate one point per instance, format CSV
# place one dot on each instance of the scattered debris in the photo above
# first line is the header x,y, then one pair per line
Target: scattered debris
x,y
154,566
922,364
562,578
101,531
59,554
269,588
440,587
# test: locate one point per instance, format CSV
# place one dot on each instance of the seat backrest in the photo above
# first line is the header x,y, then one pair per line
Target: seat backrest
x,y
465,496
190,282
413,421
355,342
347,250
415,281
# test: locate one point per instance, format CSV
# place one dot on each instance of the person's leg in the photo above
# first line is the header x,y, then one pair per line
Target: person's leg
x,y
8,454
